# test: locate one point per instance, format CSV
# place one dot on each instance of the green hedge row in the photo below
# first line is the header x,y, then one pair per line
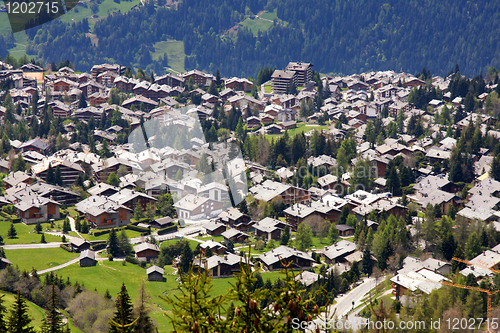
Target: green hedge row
x,y
65,247
167,230
106,231
136,228
131,260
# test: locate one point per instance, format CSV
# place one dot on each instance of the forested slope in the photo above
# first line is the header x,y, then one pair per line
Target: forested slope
x,y
335,35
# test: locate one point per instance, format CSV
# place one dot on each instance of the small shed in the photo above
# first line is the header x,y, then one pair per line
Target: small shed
x,y
87,258
345,230
155,273
79,244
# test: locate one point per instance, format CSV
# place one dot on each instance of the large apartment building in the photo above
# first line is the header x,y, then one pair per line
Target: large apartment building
x,y
303,72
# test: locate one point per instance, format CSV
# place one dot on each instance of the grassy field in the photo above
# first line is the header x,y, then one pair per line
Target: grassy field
x,y
301,128
110,276
219,238
36,313
269,15
175,53
256,24
40,259
129,233
25,234
193,244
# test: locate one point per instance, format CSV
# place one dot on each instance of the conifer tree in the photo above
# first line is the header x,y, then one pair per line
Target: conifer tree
x,y
186,258
123,318
113,246
144,323
3,312
12,233
19,321
53,322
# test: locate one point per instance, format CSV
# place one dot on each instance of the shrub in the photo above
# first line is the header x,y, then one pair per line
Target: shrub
x,y
132,260
65,247
167,230
110,257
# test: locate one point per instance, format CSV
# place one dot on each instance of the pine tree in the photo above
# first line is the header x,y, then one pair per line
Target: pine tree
x,y
113,246
495,167
186,258
49,176
53,322
58,177
19,321
85,227
42,240
3,312
333,233
144,323
285,236
303,236
38,228
123,318
82,103
12,233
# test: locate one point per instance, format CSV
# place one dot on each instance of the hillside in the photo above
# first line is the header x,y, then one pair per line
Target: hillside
x,y
336,36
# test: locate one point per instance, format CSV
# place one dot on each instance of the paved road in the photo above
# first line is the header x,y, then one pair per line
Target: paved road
x,y
73,225
32,246
55,268
344,302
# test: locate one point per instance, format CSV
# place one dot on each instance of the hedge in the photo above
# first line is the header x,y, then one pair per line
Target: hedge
x,y
131,260
65,247
99,245
167,230
106,231
136,228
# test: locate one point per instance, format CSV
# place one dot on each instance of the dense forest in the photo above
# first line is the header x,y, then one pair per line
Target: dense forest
x,y
336,36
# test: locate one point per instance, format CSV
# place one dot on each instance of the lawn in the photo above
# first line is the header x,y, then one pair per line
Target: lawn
x,y
175,53
218,238
269,15
129,233
40,259
110,276
25,233
193,244
301,128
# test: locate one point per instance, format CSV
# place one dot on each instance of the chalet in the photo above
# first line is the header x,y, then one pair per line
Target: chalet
x,y
36,209
146,251
64,85
245,101
57,193
345,230
337,252
268,119
269,228
273,129
102,213
274,259
238,84
15,178
98,69
214,228
414,82
215,247
234,235
253,122
236,219
307,278
123,84
86,113
327,182
104,169
139,101
34,145
170,80
423,280
79,244
60,109
198,78
225,266
162,222
4,262
69,171
290,194
193,207
155,273
98,98
226,94
132,198
91,87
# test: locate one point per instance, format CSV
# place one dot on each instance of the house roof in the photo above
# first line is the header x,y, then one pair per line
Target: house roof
x,y
214,261
87,254
307,278
338,249
230,233
155,268
146,246
283,252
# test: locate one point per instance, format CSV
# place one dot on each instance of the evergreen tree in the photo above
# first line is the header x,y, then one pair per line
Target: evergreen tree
x,y
495,167
333,233
50,177
3,312
85,227
144,323
53,322
42,239
38,228
12,233
113,179
113,245
186,258
19,321
285,236
303,236
82,103
473,246
123,318
58,177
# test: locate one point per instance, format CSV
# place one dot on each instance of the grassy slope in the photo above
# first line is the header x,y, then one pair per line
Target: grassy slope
x,y
175,53
25,234
256,24
301,128
39,258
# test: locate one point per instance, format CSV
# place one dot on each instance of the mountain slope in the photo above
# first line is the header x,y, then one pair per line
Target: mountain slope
x,y
335,35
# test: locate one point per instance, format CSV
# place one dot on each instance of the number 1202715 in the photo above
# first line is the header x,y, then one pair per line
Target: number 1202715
x,y
32,7
471,323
